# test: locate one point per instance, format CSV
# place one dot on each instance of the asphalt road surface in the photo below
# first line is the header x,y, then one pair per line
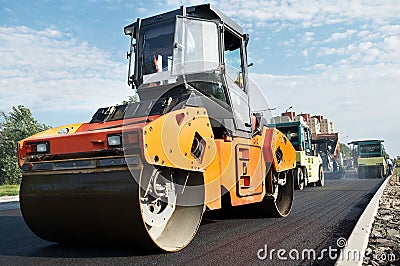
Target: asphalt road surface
x,y
320,216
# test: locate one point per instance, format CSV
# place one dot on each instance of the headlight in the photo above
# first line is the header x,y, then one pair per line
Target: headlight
x,y
37,148
41,147
114,140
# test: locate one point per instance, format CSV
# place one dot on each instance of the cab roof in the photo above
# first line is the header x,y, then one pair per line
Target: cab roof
x,y
205,11
371,141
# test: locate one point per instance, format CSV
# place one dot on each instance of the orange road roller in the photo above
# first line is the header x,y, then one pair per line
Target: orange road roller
x,y
143,173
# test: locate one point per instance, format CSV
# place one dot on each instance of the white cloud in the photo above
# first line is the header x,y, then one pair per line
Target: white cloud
x,y
47,70
392,42
379,44
390,29
319,66
391,48
308,36
142,10
289,42
307,24
363,34
331,51
341,35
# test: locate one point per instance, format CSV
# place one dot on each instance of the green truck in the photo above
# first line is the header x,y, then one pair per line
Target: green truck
x,y
309,170
370,158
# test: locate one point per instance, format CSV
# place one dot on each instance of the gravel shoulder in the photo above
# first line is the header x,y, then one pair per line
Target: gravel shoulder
x,y
384,240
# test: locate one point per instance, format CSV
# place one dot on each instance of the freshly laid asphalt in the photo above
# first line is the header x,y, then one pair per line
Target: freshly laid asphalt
x,y
320,216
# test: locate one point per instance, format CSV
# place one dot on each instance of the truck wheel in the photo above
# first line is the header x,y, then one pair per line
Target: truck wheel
x,y
305,176
321,180
298,179
308,184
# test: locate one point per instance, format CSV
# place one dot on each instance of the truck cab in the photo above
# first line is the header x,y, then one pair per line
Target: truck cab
x,y
309,169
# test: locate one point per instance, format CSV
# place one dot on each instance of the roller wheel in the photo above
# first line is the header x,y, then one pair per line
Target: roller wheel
x,y
171,203
321,177
161,212
299,180
280,203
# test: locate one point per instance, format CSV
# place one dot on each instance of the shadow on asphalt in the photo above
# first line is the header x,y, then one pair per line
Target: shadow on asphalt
x,y
233,213
88,251
19,241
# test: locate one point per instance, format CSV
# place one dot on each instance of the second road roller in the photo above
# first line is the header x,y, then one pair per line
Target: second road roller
x,y
144,173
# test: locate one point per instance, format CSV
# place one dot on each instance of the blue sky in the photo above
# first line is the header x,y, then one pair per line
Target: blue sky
x,y
341,59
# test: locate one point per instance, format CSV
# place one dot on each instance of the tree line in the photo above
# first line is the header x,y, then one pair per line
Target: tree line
x,y
16,125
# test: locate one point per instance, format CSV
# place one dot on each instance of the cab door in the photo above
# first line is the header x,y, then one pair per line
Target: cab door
x,y
234,65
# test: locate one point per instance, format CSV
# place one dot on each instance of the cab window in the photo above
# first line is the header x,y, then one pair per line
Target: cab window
x,y
233,57
157,48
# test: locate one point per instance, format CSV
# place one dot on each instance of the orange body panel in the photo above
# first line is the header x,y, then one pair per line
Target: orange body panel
x,y
276,142
212,181
86,139
248,170
242,165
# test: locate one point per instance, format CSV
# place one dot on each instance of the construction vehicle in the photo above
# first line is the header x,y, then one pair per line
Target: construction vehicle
x,y
309,167
328,147
370,158
143,173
